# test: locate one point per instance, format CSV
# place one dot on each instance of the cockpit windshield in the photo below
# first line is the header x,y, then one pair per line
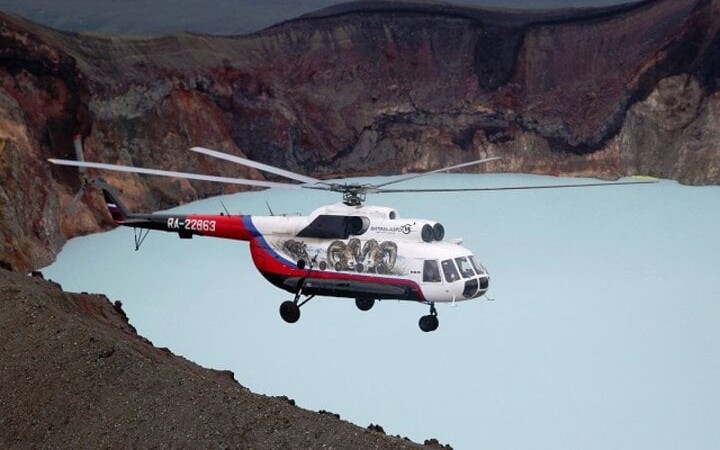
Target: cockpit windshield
x,y
450,271
478,267
464,267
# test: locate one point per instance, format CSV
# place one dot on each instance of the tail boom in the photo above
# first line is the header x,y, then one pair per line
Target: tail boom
x,y
186,225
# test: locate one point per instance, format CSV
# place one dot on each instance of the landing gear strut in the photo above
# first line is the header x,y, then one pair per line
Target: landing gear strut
x,y
290,310
429,322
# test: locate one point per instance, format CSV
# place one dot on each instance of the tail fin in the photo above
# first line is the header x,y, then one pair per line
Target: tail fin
x,y
117,210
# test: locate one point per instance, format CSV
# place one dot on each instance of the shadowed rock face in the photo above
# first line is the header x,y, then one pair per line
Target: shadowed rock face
x,y
362,88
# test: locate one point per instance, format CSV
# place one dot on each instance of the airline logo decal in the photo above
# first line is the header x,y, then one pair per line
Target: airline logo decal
x,y
404,229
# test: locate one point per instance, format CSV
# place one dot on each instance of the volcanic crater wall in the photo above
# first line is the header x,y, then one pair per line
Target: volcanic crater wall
x,y
366,87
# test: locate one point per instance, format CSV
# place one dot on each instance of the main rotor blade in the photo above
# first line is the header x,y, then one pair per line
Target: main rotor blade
x,y
257,165
514,188
169,173
444,169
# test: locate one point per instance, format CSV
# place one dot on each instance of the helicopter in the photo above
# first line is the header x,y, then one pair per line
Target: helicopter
x,y
347,249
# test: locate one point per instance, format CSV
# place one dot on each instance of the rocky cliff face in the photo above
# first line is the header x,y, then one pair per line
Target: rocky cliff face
x,y
367,87
75,374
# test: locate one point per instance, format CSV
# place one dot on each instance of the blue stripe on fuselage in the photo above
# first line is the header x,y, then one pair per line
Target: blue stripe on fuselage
x,y
260,240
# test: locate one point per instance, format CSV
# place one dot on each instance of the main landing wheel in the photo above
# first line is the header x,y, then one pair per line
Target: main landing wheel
x,y
290,311
429,322
364,304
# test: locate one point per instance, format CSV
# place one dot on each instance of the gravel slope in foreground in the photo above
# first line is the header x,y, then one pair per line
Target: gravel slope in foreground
x,y
75,374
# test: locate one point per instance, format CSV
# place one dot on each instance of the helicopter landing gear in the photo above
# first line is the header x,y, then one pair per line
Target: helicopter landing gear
x,y
290,310
429,322
364,304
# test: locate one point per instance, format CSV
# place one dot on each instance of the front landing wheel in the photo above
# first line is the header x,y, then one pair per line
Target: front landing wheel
x,y
428,323
290,311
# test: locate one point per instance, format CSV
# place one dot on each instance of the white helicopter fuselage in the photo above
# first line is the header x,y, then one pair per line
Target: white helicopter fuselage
x,y
367,244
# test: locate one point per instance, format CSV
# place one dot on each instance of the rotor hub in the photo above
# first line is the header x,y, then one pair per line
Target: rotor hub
x,y
353,194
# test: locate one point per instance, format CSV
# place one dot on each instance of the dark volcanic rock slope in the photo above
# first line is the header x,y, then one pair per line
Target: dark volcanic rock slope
x,y
74,374
368,87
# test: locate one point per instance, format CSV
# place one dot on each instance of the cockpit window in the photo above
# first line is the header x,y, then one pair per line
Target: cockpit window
x,y
431,271
478,267
464,267
451,273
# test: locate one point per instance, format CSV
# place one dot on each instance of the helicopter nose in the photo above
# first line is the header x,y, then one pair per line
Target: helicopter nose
x,y
484,284
476,287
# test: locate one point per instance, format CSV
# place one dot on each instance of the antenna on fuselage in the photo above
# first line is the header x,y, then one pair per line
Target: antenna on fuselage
x,y
269,208
223,205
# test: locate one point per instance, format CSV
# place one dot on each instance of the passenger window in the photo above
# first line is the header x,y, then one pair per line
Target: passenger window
x,y
431,272
451,273
464,267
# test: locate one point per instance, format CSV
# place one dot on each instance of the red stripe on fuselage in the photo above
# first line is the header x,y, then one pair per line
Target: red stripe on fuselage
x,y
229,227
